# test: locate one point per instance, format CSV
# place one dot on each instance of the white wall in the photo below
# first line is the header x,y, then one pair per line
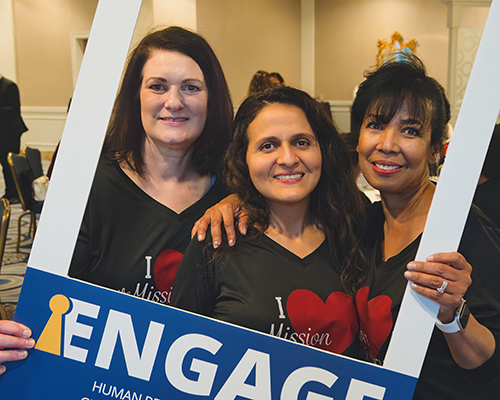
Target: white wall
x,y
46,123
246,35
45,127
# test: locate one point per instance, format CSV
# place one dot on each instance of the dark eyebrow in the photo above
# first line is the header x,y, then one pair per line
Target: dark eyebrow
x,y
155,78
294,137
268,138
379,118
302,134
410,121
192,79
159,78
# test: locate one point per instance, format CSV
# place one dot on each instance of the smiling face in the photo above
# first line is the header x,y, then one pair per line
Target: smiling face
x,y
174,100
394,156
283,155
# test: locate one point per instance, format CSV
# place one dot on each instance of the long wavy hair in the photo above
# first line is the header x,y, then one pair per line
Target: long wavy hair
x,y
125,135
335,205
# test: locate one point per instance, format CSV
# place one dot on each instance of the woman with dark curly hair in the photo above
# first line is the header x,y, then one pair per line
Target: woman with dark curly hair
x,y
291,171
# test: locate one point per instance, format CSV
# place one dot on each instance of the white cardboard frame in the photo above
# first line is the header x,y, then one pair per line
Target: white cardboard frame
x,y
85,128
453,196
83,134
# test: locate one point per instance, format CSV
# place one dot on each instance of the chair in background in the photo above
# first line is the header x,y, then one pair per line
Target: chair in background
x,y
3,313
40,184
23,178
34,159
4,225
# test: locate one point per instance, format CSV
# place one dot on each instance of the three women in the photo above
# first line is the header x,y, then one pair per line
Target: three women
x,y
401,113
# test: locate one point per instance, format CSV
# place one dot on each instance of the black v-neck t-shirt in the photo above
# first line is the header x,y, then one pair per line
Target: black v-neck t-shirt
x,y
441,378
130,242
265,287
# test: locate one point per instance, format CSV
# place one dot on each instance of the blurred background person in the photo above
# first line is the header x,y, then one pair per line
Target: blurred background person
x,y
259,83
276,79
11,128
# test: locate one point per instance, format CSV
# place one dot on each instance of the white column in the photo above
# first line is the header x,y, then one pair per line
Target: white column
x,y
454,17
7,44
307,46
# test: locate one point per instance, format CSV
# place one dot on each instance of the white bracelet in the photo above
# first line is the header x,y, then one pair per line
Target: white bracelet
x,y
460,321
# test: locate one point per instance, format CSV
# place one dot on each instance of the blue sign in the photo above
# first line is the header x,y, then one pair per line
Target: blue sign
x,y
94,343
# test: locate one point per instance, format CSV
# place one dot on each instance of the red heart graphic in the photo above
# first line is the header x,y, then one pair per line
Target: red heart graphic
x,y
166,265
335,322
375,318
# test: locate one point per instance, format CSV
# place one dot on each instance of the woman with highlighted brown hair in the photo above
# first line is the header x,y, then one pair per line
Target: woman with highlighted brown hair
x,y
170,127
158,172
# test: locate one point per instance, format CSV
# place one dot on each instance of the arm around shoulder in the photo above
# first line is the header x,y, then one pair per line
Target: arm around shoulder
x,y
223,212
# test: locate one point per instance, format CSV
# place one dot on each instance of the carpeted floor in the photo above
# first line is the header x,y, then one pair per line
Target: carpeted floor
x,y
13,263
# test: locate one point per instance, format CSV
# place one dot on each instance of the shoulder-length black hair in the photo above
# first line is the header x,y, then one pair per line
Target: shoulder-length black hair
x,y
335,205
125,134
402,80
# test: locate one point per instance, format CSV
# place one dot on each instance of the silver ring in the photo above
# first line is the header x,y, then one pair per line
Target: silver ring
x,y
443,287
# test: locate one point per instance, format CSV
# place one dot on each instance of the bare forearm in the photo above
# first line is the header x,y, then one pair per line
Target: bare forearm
x,y
473,346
